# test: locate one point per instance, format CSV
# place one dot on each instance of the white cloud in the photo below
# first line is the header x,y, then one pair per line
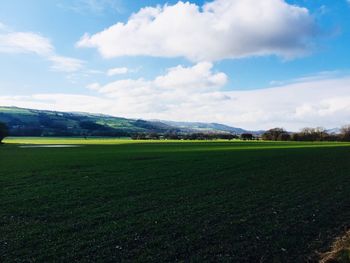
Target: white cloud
x,y
25,42
311,77
93,6
94,71
218,30
94,86
58,101
3,27
198,78
117,71
65,64
34,43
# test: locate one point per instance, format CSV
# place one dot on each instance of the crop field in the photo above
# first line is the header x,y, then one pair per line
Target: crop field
x,y
118,200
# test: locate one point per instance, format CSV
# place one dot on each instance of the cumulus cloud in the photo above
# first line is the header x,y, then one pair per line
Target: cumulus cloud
x,y
218,30
198,78
117,71
34,43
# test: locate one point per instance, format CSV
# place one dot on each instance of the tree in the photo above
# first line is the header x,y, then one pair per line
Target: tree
x,y
247,136
311,134
276,134
172,136
284,137
345,133
320,134
3,131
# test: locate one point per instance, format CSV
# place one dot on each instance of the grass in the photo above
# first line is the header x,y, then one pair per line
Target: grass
x,y
127,201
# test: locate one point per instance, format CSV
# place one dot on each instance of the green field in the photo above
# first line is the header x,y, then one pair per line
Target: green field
x,y
127,201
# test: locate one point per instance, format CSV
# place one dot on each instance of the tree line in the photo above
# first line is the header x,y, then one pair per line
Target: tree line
x,y
275,134
307,134
180,136
193,136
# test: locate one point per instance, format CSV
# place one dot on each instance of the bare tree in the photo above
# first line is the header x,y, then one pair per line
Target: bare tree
x,y
345,133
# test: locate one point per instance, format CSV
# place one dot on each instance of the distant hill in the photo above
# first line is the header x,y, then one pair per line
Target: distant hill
x,y
204,127
30,122
333,131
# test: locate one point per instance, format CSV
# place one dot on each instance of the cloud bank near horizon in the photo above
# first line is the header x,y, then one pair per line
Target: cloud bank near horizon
x,y
293,106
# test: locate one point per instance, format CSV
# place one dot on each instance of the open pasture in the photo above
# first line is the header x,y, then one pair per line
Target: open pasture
x,y
171,201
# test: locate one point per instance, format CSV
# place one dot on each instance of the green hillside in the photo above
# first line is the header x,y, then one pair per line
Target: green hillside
x,y
206,127
30,122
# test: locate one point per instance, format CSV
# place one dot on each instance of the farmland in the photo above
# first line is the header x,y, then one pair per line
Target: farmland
x,y
164,201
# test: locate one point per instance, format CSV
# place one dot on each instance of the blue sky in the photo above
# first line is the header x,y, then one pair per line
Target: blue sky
x,y
225,55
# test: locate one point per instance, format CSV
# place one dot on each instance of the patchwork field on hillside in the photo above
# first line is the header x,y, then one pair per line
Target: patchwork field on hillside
x,y
170,201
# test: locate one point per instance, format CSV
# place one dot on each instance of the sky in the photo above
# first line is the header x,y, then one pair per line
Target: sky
x,y
254,64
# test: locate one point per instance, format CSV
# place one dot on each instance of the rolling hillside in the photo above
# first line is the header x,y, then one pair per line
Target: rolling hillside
x,y
204,127
29,122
